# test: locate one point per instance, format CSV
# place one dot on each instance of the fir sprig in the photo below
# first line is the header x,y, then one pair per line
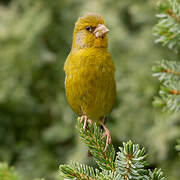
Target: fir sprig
x,y
156,174
129,163
167,29
168,73
93,138
167,70
79,171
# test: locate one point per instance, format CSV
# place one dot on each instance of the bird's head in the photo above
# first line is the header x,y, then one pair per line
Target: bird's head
x,y
90,31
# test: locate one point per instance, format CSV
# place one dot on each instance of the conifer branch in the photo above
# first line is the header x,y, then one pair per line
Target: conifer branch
x,y
174,92
169,94
167,29
173,15
168,72
129,164
157,174
171,71
92,137
78,171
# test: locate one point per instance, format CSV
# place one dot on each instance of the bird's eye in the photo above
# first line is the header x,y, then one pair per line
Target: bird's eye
x,y
88,28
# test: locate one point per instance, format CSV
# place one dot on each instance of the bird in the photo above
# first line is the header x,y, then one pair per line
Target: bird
x,y
90,73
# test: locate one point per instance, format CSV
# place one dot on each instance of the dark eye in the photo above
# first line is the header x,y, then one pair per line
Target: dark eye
x,y
88,28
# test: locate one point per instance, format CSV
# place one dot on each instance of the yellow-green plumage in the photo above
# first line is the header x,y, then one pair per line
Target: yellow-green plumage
x,y
90,84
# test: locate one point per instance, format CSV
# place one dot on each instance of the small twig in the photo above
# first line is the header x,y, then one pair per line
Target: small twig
x,y
171,72
174,92
170,13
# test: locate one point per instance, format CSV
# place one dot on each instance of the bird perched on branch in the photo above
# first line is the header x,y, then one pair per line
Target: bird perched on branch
x,y
90,85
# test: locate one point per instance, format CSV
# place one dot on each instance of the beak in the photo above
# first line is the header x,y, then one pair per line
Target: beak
x,y
100,30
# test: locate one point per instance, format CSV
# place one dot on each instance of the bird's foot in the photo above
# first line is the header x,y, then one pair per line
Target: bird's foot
x,y
106,133
85,119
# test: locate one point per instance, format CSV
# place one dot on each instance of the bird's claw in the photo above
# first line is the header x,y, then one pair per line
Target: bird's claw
x,y
108,138
85,119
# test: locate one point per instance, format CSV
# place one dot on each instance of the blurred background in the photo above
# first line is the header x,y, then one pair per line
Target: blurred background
x,y
37,127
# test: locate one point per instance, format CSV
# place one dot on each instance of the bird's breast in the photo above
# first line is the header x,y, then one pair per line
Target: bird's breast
x,y
90,85
89,59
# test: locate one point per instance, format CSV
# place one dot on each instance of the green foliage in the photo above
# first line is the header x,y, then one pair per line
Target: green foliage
x,y
156,174
167,29
168,73
79,171
130,162
178,145
92,137
8,173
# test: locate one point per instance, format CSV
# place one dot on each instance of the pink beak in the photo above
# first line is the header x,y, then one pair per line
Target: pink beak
x,y
100,30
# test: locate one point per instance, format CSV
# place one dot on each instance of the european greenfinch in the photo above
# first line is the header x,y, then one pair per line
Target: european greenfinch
x,y
90,84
